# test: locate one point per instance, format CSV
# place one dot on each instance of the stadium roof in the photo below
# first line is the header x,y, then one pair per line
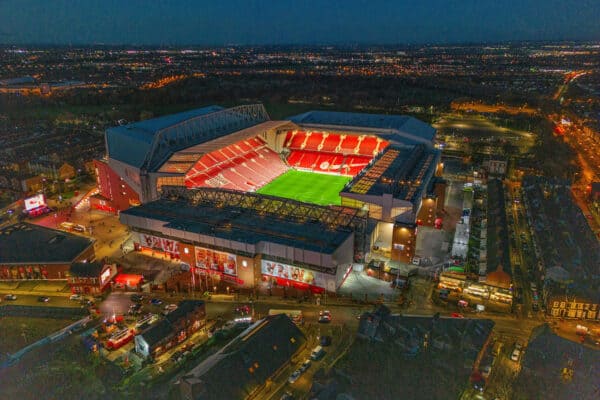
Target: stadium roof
x,y
148,144
403,171
182,160
249,359
25,243
251,218
400,128
130,143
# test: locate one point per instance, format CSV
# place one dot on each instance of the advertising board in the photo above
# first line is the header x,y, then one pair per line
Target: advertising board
x,y
296,274
216,261
35,202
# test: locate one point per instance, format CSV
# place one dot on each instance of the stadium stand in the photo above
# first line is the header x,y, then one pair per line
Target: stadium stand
x,y
246,165
332,152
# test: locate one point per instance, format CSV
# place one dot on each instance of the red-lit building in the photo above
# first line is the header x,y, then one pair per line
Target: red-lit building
x,y
29,251
114,193
91,278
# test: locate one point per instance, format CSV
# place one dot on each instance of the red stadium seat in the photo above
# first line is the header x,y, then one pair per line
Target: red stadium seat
x,y
331,143
348,144
246,165
368,145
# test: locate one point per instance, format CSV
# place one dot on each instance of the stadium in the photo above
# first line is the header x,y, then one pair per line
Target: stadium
x,y
296,202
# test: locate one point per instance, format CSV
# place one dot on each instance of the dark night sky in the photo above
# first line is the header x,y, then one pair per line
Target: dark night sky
x,y
188,22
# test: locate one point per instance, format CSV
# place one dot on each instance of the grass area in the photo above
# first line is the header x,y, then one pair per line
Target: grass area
x,y
18,332
308,187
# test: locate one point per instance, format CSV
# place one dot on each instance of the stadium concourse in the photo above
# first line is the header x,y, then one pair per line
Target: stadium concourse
x,y
297,202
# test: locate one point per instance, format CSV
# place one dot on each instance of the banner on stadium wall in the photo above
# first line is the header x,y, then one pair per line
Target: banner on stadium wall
x,y
155,242
216,261
296,274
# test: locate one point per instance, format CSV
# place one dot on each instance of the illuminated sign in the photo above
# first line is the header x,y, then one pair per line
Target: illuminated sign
x,y
35,202
105,276
216,261
296,274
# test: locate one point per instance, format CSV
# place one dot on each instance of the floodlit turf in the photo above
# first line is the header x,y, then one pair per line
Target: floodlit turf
x,y
308,187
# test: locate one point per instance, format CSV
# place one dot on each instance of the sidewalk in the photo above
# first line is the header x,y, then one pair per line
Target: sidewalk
x,y
53,288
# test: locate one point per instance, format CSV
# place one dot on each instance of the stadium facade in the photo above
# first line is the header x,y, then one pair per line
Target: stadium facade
x,y
197,180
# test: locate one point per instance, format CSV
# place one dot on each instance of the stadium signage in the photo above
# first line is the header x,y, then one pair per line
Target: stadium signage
x,y
295,274
155,242
34,202
216,261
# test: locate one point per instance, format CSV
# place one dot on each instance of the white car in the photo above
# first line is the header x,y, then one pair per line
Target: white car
x,y
516,354
305,365
294,377
76,297
170,307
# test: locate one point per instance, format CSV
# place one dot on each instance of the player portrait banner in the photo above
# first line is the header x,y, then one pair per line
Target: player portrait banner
x,y
292,273
216,261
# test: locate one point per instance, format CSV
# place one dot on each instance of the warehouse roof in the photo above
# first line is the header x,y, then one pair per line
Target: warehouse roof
x,y
25,243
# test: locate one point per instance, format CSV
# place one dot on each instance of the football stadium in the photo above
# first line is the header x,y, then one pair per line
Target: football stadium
x,y
249,200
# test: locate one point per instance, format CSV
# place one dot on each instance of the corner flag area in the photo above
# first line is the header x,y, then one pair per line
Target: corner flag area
x,y
308,187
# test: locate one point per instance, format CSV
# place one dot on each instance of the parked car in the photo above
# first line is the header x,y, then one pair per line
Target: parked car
x,y
324,316
287,396
485,371
177,356
10,297
516,354
136,298
169,307
294,377
305,365
155,302
325,341
43,299
76,297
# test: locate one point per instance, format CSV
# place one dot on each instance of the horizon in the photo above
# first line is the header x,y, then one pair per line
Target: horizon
x,y
313,22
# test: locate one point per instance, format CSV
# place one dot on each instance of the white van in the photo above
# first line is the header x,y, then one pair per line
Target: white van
x,y
317,353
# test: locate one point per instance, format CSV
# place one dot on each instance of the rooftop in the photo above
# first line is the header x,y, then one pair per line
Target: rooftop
x,y
251,218
130,143
82,269
410,130
150,143
402,171
557,368
163,328
251,358
25,243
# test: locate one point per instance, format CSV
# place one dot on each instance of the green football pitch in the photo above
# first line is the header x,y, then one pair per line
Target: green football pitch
x,y
308,187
